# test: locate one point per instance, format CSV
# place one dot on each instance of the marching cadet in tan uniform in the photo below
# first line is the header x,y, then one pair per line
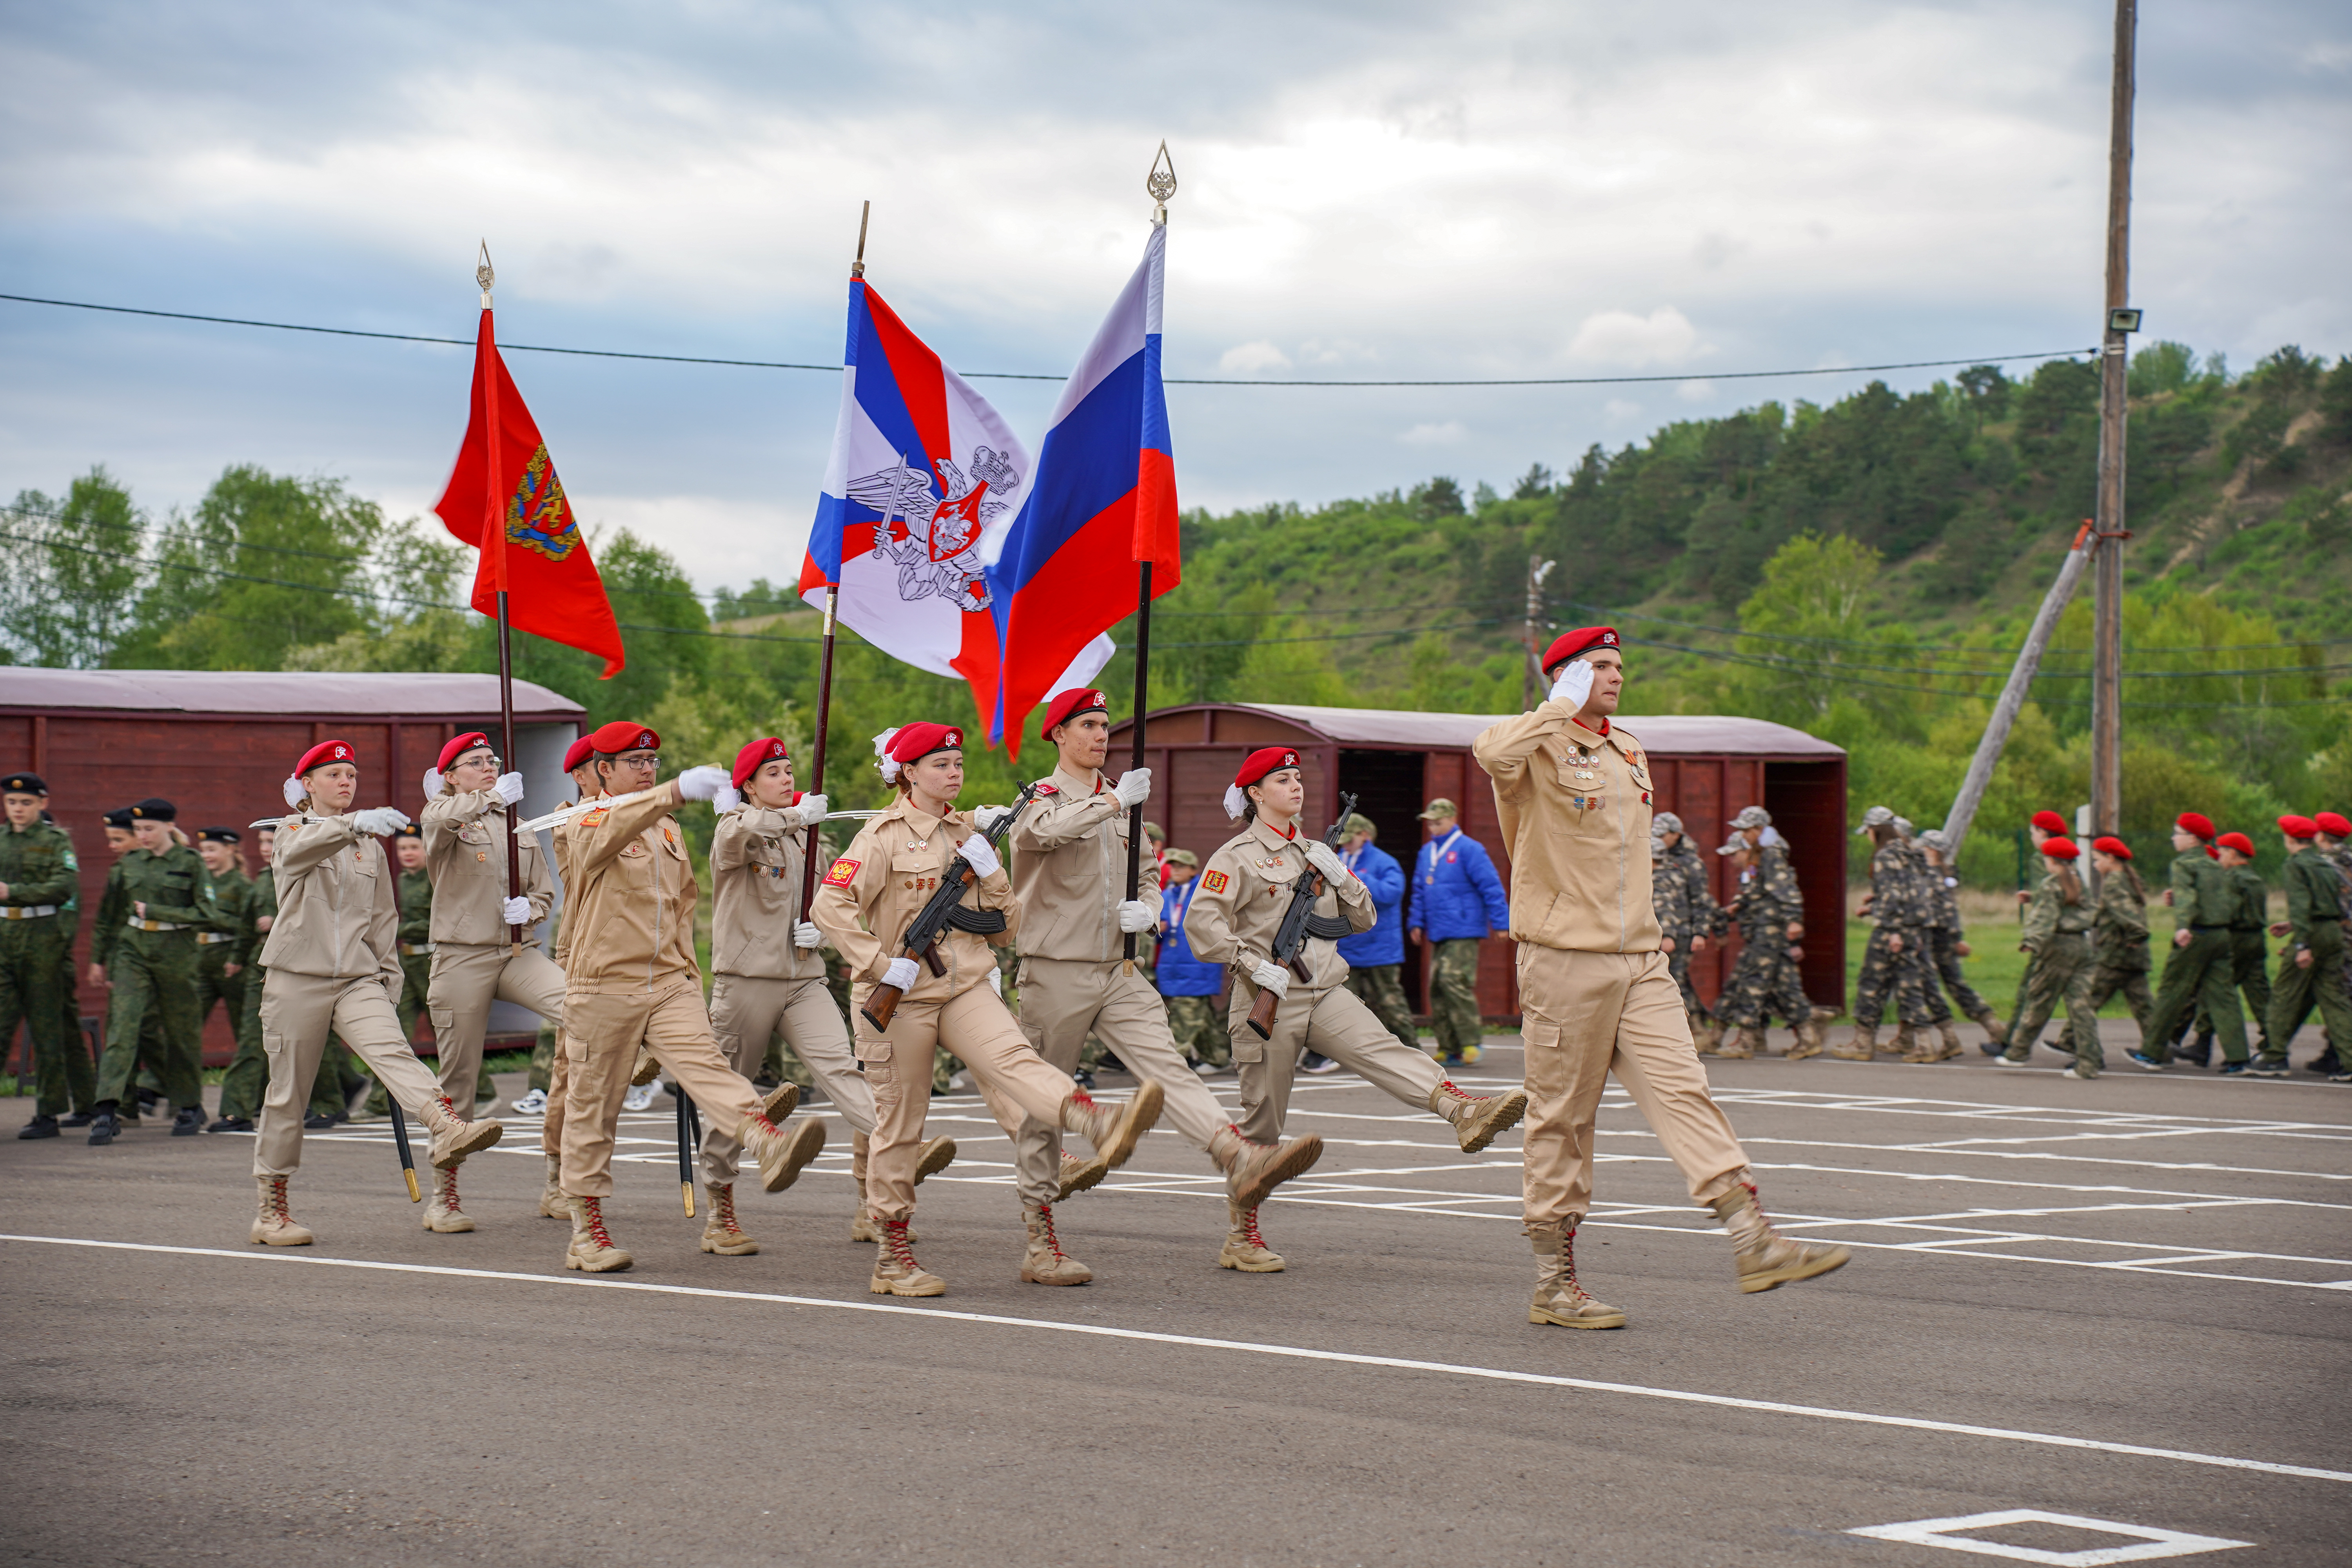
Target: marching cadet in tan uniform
x,y
634,981
1069,875
767,976
1597,995
868,897
333,962
1246,890
474,961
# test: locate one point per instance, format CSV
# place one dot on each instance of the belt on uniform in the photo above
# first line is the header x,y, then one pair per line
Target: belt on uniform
x,y
27,911
213,938
413,949
2208,930
152,925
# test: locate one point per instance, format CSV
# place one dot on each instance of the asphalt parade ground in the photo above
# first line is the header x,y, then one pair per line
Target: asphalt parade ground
x,y
2083,1323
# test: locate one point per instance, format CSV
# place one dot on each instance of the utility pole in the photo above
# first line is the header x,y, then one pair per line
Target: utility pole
x,y
2122,321
1538,569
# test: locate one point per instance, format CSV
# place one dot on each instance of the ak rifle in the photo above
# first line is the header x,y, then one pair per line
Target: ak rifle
x,y
1300,922
946,911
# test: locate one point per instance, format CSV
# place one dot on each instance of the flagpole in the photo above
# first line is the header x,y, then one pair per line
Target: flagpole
x,y
1159,187
494,537
824,659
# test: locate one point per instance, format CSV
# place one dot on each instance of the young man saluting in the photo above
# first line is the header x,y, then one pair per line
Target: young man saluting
x,y
1573,792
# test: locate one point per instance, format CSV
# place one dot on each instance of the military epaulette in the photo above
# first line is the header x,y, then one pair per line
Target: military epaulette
x,y
1049,789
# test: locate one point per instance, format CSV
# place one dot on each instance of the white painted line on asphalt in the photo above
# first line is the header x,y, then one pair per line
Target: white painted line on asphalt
x,y
1251,1347
2147,1543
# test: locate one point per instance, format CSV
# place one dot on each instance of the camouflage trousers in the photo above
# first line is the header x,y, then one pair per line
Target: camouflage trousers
x,y
1382,988
2108,979
1678,965
2197,978
1453,996
1764,982
1943,952
2063,976
2320,985
1198,1025
1909,976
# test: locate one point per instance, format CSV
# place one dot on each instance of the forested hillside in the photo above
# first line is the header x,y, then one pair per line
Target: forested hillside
x,y
1862,570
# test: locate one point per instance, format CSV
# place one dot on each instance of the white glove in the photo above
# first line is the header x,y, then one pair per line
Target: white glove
x,y
1135,915
986,817
702,783
726,800
509,789
377,821
1272,977
814,809
805,934
996,980
516,911
1575,683
1133,788
978,854
901,974
432,783
1326,859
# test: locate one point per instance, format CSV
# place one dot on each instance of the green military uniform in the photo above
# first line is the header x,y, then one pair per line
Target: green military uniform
x,y
217,949
2315,916
2198,973
81,1058
37,864
2250,952
1764,979
1940,889
2119,948
2058,935
247,1078
150,961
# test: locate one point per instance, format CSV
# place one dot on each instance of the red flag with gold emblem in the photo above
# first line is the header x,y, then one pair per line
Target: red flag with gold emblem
x,y
504,499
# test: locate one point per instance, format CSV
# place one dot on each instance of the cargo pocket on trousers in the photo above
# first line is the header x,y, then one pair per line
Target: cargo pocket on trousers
x,y
874,1061
444,1022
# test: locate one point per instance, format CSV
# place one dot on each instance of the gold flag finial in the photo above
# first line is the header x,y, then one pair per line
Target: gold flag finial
x,y
1160,183
485,275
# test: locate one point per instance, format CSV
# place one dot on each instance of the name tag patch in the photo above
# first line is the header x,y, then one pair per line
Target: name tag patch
x,y
841,873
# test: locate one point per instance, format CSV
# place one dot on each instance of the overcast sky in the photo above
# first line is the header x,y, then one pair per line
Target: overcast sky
x,y
1368,189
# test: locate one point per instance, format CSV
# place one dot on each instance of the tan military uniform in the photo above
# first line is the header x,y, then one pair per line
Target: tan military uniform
x,y
1595,993
762,982
633,979
334,963
474,964
1069,875
866,900
1245,887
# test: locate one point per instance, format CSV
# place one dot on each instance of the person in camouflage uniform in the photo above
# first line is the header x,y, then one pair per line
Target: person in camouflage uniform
x,y
2333,842
2119,934
220,973
248,1078
1769,909
2196,973
1895,961
2057,933
76,1032
151,963
2311,969
38,876
1947,939
2250,952
1688,916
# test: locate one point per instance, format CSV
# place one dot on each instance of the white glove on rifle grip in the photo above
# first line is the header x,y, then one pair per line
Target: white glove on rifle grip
x,y
1135,915
979,856
901,974
805,934
515,912
509,789
377,821
1133,788
986,817
702,784
1326,859
1575,683
1273,977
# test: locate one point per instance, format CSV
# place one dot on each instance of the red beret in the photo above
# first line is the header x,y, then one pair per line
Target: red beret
x,y
1262,762
579,751
2333,824
2237,841
2297,826
748,761
913,743
624,735
2115,847
2060,849
2049,822
1069,704
460,747
325,751
1583,639
2196,824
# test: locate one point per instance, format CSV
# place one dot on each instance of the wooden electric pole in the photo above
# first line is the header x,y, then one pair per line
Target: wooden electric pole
x,y
2115,363
1538,569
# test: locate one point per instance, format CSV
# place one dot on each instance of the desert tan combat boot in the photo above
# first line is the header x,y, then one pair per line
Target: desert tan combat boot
x,y
1558,1298
937,1155
1950,1038
1045,1263
1245,1247
1765,1258
592,1249
272,1225
896,1272
1253,1170
1914,1047
1113,1130
442,1213
1995,1030
781,1102
1079,1175
454,1137
1812,1034
1478,1118
553,1203
781,1152
1859,1047
1742,1045
1707,1032
720,1233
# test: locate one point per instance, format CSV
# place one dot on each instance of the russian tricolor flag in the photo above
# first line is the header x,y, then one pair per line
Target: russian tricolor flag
x,y
1103,499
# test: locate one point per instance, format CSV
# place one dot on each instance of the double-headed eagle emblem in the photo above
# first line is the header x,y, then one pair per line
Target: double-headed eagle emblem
x,y
933,532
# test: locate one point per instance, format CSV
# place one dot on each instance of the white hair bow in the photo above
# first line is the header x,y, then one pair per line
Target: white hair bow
x,y
882,751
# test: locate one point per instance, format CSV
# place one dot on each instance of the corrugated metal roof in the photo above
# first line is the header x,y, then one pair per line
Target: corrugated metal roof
x,y
279,693
1664,734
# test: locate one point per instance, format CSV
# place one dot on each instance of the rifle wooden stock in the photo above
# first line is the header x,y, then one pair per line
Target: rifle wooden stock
x,y
880,1004
1261,1018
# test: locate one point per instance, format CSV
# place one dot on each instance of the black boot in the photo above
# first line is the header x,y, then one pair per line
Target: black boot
x,y
39,1127
318,1121
104,1124
2326,1063
2201,1054
187,1121
232,1124
79,1118
149,1099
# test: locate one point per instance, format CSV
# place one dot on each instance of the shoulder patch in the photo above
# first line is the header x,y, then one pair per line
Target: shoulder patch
x,y
594,818
1215,882
1048,789
842,873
